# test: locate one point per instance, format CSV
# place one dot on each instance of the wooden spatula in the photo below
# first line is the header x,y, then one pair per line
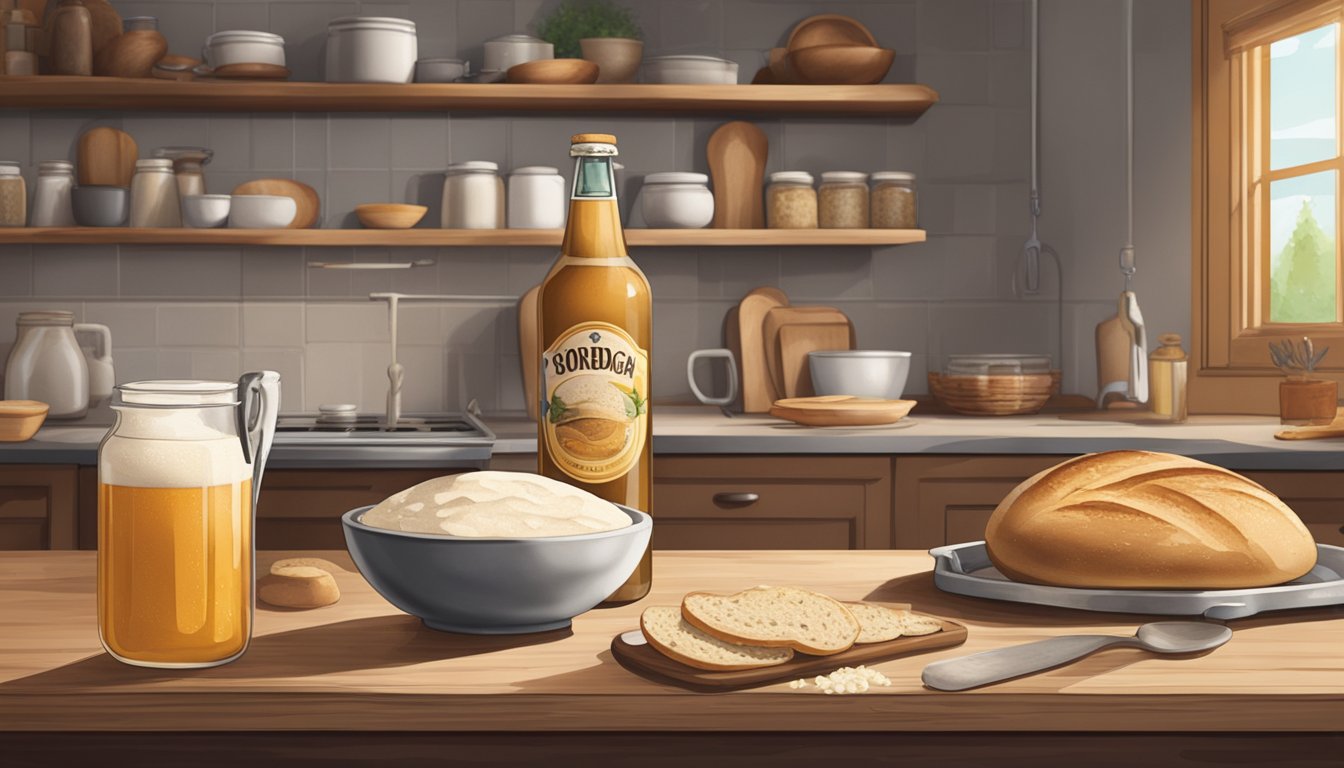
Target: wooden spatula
x,y
758,391
107,156
737,152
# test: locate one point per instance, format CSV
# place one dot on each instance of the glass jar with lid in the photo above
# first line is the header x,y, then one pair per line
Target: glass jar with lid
x,y
842,200
893,200
473,196
13,196
1167,371
791,201
51,200
154,199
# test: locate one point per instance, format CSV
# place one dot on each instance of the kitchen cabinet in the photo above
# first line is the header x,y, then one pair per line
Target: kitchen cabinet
x,y
360,679
772,502
37,506
948,499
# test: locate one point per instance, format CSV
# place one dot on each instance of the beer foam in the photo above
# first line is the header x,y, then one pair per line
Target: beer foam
x,y
172,449
497,505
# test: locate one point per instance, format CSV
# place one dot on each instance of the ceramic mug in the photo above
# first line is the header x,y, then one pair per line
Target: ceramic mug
x,y
726,354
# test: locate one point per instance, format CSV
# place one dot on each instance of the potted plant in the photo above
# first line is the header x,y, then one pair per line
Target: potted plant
x,y
1303,399
599,31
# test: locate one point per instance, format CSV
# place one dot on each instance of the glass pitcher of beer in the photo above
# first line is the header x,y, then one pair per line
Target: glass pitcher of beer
x,y
178,477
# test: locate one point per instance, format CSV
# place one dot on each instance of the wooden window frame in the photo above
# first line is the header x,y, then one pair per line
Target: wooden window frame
x,y
1230,367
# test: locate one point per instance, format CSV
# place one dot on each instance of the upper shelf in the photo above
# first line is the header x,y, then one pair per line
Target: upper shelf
x,y
451,237
122,94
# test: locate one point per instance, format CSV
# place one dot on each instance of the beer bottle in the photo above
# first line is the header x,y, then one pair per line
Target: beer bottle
x,y
595,315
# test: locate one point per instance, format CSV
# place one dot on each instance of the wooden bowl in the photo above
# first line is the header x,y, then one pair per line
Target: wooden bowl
x,y
132,54
389,215
20,419
829,29
841,64
781,67
553,72
996,394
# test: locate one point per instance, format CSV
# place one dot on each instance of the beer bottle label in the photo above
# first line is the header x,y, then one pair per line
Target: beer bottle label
x,y
595,416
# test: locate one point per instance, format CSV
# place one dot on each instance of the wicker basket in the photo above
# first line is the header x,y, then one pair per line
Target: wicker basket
x,y
995,394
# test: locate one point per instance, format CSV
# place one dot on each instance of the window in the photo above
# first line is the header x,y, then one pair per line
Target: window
x,y
1268,203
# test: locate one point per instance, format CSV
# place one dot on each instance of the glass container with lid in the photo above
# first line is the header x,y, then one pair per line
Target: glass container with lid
x,y
893,200
791,201
473,196
996,364
154,198
178,479
52,206
188,166
842,200
13,196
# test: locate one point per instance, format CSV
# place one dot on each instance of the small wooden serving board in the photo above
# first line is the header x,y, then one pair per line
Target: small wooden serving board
x,y
645,660
841,410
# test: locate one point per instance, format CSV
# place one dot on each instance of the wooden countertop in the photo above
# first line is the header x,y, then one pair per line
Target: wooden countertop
x,y
362,665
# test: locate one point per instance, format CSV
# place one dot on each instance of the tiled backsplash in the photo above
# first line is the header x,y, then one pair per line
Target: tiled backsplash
x,y
212,312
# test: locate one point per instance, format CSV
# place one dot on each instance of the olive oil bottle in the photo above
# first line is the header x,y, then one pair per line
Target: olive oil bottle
x,y
595,315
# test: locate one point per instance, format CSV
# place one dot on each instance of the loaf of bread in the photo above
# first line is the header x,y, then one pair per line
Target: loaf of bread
x,y
1141,520
774,617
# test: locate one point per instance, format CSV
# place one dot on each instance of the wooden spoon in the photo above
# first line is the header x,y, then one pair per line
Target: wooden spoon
x,y
737,152
107,156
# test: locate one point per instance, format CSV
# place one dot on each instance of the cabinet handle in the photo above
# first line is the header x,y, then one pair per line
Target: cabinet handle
x,y
740,499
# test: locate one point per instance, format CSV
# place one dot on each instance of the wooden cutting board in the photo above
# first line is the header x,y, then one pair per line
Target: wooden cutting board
x,y
529,350
305,197
841,410
758,391
818,328
1322,432
644,660
106,156
737,152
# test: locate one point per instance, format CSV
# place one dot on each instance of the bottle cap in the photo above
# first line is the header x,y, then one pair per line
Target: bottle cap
x,y
592,138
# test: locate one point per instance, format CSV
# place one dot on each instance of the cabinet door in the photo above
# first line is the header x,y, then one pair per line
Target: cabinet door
x,y
302,508
771,502
37,506
948,499
1316,497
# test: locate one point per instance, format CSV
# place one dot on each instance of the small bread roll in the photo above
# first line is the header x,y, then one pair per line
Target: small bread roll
x,y
1142,520
299,583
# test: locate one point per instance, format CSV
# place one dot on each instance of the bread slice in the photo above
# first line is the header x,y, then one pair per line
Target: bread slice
x,y
671,636
878,623
775,617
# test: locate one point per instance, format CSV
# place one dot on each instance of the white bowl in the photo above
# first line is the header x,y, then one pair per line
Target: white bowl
x,y
676,201
859,372
695,70
205,211
439,70
262,212
239,46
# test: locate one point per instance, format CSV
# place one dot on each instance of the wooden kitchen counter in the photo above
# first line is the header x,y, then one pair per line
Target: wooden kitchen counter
x,y
362,666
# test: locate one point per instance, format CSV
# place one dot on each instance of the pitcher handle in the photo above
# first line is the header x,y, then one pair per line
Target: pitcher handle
x,y
259,405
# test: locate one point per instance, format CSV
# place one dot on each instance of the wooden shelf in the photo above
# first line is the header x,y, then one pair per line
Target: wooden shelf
x,y
123,94
451,237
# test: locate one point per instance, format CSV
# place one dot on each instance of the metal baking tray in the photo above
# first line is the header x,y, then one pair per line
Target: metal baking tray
x,y
965,569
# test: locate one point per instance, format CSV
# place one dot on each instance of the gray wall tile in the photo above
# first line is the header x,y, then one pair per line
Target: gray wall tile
x,y
16,270
198,325
75,270
133,324
175,273
273,325
955,25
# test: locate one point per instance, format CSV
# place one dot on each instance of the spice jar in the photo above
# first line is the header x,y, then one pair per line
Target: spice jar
x,y
71,39
893,200
791,202
473,196
1167,377
21,31
189,167
842,200
51,199
154,200
13,196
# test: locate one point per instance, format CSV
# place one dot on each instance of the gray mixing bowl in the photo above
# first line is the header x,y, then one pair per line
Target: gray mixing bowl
x,y
488,586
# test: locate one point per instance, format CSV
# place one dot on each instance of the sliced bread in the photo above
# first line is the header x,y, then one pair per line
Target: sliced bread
x,y
776,617
878,623
670,635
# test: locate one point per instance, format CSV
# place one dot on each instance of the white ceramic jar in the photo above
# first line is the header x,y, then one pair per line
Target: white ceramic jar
x,y
371,49
537,198
47,364
473,196
51,198
676,201
154,200
243,46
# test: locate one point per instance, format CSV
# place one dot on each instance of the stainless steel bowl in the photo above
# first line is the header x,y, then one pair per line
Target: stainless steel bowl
x,y
491,586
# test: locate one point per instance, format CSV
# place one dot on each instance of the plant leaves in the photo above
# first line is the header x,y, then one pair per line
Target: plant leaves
x,y
557,409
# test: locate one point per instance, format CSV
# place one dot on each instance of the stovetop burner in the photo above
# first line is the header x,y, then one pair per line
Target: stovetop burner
x,y
428,440
374,425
